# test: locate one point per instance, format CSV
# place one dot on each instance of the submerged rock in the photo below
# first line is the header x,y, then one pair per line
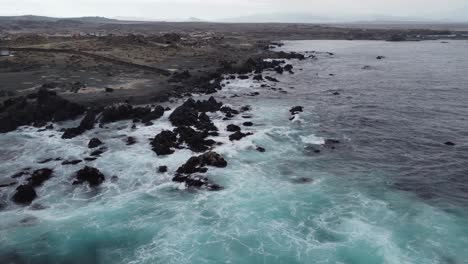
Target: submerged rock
x,y
331,143
271,79
39,177
258,77
7,183
302,180
238,136
130,141
449,143
94,143
296,110
71,162
24,194
162,169
261,149
90,175
197,181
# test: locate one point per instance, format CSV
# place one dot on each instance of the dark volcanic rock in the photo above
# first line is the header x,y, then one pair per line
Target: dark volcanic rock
x,y
261,149
180,76
197,181
331,143
94,143
162,169
188,113
21,173
279,69
302,180
233,128
7,183
72,132
87,123
229,112
126,111
239,135
291,55
24,194
196,163
296,109
205,124
195,140
39,177
98,152
40,107
155,114
271,79
91,175
258,77
248,124
163,143
71,162
288,67
131,141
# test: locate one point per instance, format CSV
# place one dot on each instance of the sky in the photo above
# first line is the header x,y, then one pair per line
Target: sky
x,y
221,9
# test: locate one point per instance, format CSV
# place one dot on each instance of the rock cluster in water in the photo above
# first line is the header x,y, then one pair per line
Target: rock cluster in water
x,y
192,122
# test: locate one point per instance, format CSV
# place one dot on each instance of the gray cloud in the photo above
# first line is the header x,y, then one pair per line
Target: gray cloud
x,y
218,9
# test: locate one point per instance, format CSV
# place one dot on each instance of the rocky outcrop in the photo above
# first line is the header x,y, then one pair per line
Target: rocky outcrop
x,y
24,194
164,142
90,175
195,140
37,108
238,136
197,163
295,110
94,143
87,123
130,141
39,177
271,79
233,128
197,181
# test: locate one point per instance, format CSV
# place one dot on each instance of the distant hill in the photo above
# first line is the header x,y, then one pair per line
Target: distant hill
x,y
55,19
195,19
313,18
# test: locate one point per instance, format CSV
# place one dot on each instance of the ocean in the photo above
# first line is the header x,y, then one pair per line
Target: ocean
x,y
362,175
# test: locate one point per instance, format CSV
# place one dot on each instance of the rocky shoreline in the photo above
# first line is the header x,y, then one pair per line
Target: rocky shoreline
x,y
192,125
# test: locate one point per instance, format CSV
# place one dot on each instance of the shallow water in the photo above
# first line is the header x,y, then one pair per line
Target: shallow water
x,y
391,192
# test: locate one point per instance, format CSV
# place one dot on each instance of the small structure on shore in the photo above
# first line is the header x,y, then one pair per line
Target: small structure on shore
x,y
4,52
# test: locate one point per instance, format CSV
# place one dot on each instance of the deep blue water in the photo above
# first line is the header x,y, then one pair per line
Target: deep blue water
x,y
390,192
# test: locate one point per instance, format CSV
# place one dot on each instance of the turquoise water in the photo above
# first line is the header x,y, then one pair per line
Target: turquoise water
x,y
349,213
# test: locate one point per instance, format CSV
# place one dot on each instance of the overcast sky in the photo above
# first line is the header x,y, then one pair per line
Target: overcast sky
x,y
219,9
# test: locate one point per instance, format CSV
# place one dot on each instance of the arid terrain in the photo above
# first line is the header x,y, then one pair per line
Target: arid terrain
x,y
103,61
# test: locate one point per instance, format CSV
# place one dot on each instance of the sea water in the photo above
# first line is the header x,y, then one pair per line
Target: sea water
x,y
389,192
